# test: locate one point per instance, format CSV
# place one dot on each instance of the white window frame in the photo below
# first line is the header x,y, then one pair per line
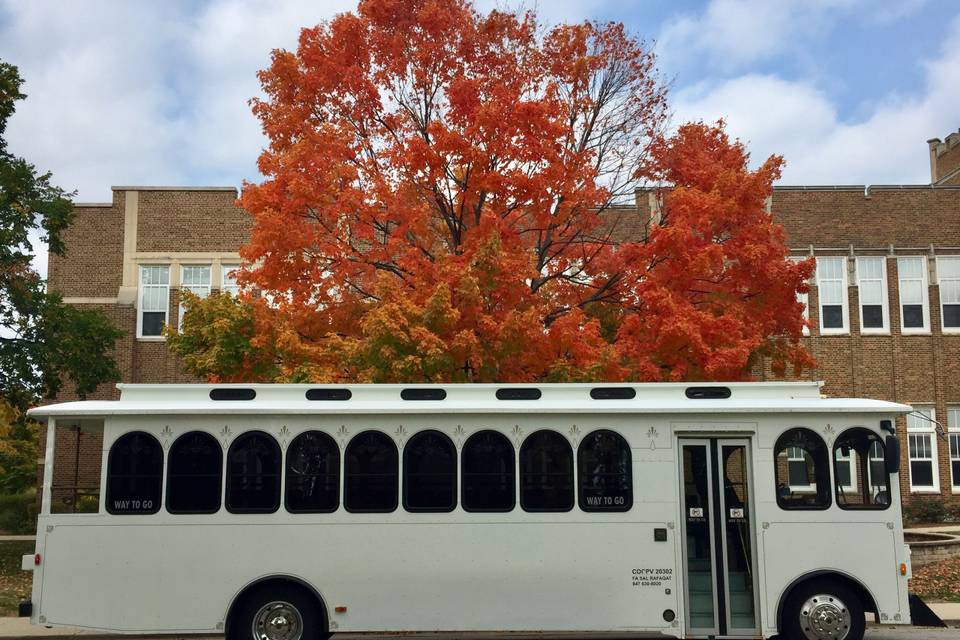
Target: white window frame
x,y
228,285
804,299
849,460
883,461
925,295
940,279
884,302
798,488
845,303
202,290
917,426
953,442
141,287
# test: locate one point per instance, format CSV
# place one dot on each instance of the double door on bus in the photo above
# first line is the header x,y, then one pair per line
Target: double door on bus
x,y
718,537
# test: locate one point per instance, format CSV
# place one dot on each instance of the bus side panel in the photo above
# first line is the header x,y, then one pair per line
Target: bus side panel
x,y
526,576
864,551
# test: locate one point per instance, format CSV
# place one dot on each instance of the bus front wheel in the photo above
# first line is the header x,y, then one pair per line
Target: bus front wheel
x,y
277,612
823,610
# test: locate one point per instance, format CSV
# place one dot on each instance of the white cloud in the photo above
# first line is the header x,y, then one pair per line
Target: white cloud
x,y
800,122
730,34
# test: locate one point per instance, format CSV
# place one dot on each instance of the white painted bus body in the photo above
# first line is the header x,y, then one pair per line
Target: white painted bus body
x,y
458,572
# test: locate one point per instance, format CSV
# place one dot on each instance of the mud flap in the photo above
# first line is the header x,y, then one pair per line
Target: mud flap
x,y
921,615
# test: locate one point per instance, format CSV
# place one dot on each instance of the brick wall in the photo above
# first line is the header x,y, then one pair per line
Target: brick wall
x,y
93,263
833,221
191,221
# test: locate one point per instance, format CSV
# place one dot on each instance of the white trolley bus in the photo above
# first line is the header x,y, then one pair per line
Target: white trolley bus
x,y
288,512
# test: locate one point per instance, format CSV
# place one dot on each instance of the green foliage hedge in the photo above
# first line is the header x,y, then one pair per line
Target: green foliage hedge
x,y
18,513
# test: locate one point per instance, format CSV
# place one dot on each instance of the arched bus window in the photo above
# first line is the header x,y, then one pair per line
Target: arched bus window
x,y
603,472
860,470
802,470
546,472
371,474
429,473
194,474
313,474
253,474
489,474
134,474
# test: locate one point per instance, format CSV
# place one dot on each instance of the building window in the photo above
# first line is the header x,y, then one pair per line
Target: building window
x,y
134,474
872,290
604,472
948,277
313,474
253,474
429,473
801,470
546,472
860,483
922,445
371,474
489,474
803,299
154,300
194,278
953,427
194,474
914,310
832,289
845,477
228,281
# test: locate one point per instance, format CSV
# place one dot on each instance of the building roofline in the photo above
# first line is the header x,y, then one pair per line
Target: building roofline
x,y
841,187
171,188
94,205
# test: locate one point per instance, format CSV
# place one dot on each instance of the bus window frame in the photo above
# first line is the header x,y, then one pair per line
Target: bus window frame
x,y
161,497
868,459
278,499
814,488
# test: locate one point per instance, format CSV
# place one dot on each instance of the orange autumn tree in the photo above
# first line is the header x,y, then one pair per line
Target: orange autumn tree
x,y
440,204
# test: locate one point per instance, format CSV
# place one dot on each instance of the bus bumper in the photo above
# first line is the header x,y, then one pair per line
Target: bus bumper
x,y
921,615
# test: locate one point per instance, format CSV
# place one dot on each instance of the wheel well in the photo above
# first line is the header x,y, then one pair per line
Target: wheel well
x,y
862,592
265,583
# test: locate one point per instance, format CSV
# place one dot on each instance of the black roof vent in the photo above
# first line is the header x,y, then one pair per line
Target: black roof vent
x,y
329,394
232,393
708,393
518,393
613,393
423,394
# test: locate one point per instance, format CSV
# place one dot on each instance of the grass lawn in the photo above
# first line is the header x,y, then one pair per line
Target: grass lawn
x,y
938,581
15,584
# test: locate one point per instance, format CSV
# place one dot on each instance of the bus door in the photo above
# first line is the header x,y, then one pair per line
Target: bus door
x,y
718,542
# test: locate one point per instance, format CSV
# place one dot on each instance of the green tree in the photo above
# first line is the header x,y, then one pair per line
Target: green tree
x,y
43,342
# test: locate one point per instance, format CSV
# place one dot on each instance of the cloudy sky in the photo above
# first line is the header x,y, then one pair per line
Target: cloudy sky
x,y
125,93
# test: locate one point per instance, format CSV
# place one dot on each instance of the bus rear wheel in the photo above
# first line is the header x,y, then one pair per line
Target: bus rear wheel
x,y
823,610
277,612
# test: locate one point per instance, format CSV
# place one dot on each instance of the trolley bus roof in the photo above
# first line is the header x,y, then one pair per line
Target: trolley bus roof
x,y
662,398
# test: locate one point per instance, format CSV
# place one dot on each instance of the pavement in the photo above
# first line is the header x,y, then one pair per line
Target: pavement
x,y
21,628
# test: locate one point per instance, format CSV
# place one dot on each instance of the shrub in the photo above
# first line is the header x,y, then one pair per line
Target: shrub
x,y
18,513
925,510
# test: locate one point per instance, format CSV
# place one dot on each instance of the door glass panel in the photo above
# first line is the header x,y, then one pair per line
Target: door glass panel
x,y
697,517
739,549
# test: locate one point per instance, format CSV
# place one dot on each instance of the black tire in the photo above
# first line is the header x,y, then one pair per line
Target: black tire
x,y
837,598
298,599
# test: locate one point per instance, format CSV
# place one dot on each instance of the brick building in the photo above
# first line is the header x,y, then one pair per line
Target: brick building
x,y
884,304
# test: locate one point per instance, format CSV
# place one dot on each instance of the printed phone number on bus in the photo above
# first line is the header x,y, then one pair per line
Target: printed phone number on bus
x,y
651,577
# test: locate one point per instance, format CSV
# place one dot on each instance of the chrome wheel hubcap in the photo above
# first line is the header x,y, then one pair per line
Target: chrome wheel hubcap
x,y
277,621
824,617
